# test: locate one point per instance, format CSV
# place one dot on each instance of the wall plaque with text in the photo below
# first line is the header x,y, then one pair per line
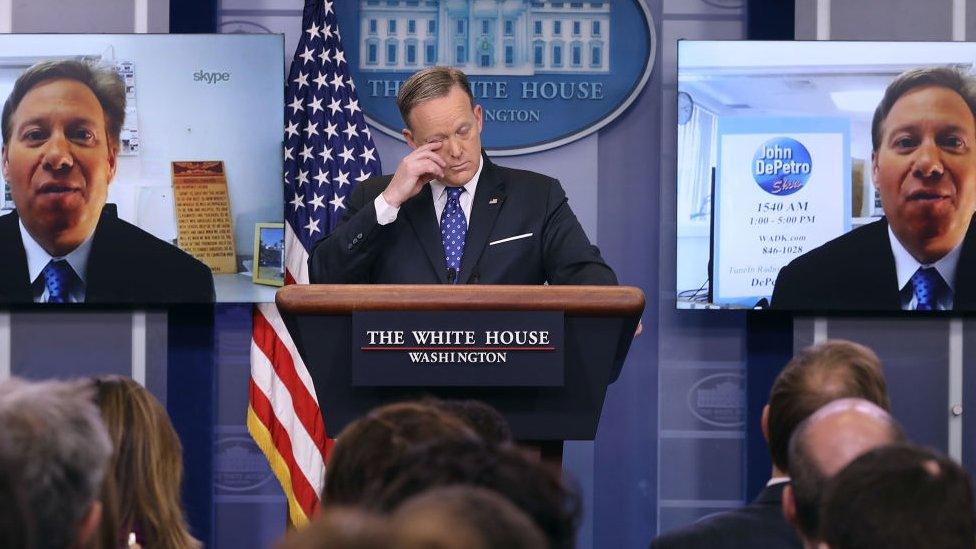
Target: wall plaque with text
x,y
457,348
203,223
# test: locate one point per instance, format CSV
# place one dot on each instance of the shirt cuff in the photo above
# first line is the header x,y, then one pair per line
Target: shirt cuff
x,y
385,214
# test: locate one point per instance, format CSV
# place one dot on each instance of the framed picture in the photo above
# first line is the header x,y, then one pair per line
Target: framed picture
x,y
269,254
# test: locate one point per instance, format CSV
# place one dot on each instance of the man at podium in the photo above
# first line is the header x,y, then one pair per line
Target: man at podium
x,y
449,215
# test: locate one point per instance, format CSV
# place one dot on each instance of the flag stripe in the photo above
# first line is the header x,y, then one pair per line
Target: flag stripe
x,y
298,488
278,347
328,150
296,261
307,454
261,435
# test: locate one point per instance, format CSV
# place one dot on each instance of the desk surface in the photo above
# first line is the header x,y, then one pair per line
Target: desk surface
x,y
238,288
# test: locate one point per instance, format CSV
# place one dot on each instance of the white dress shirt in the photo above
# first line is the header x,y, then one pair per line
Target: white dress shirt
x,y
906,265
386,214
38,258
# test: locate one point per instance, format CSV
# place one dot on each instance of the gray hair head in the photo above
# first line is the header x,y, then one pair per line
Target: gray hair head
x,y
55,447
430,83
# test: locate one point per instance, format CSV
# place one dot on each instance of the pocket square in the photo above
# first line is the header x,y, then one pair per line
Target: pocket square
x,y
509,239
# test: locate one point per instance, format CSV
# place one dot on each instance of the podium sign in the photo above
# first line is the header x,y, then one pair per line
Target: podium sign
x,y
589,327
457,348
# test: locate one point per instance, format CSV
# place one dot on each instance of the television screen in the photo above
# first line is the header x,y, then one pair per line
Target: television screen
x,y
137,168
826,176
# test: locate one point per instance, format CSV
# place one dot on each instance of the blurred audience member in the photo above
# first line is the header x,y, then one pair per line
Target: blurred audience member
x,y
15,517
147,465
463,517
367,447
532,486
488,422
817,375
823,445
342,528
108,534
55,452
899,497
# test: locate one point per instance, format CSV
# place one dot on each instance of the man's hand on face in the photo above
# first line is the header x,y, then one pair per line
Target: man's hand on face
x,y
415,170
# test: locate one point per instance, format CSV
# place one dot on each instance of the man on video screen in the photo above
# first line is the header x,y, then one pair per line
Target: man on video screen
x,y
922,254
450,215
61,127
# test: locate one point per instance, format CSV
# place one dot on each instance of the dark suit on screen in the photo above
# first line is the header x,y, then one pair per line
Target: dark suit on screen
x,y
126,265
856,271
758,525
507,203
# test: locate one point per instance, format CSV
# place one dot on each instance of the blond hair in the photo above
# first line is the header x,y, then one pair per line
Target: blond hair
x,y
147,462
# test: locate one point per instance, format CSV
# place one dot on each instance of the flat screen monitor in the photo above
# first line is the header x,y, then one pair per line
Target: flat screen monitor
x,y
802,186
148,164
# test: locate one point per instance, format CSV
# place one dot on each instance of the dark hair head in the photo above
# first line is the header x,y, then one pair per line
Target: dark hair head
x,y
427,84
463,517
367,447
942,77
488,422
853,426
899,496
341,528
104,82
815,376
533,487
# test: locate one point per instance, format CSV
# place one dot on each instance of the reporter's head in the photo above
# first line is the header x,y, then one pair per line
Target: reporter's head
x,y
55,449
825,443
536,489
369,446
898,497
143,439
818,374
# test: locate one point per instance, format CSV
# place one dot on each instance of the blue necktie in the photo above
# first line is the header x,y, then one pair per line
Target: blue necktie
x,y
58,278
453,230
927,284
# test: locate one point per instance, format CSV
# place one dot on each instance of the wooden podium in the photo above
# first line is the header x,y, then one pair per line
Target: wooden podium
x,y
598,325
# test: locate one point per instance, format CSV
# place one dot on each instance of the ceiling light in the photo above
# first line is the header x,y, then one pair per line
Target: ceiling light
x,y
857,100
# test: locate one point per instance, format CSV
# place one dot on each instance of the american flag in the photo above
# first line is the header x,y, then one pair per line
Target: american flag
x,y
327,150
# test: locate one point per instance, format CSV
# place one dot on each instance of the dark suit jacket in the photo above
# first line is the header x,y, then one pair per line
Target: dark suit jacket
x,y
125,265
856,271
507,203
758,525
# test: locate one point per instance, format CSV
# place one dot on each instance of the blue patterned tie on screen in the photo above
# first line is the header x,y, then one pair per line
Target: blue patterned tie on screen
x,y
453,230
58,277
927,284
